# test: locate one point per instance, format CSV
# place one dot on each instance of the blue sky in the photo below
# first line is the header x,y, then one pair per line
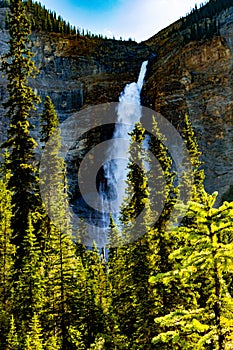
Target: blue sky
x,y
136,19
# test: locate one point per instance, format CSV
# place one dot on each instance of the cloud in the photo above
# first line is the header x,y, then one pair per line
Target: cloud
x,y
141,19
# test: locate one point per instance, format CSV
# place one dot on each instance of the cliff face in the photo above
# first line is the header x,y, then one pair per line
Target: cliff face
x,y
81,71
196,78
193,77
78,71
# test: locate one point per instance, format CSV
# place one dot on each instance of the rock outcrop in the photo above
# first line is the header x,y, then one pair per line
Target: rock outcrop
x,y
78,71
196,78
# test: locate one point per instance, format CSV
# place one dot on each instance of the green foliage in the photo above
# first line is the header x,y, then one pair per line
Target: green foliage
x,y
19,67
6,248
49,120
34,336
47,20
29,285
202,263
132,300
98,345
12,338
194,154
165,180
136,179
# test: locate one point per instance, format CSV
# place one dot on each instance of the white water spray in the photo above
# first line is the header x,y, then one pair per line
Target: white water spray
x,y
115,171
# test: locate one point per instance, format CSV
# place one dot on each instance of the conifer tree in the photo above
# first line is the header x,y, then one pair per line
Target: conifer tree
x,y
65,290
98,290
132,299
29,286
201,320
49,120
58,246
51,343
6,253
34,335
161,239
22,99
194,154
165,180
13,342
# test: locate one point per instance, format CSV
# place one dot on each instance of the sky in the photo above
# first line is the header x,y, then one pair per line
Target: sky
x,y
135,19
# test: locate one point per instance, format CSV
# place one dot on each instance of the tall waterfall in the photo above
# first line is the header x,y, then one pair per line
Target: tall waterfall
x,y
113,189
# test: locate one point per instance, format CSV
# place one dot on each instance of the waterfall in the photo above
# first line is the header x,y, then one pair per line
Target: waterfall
x,y
112,191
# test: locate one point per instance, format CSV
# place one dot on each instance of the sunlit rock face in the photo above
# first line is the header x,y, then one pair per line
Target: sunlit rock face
x,y
196,78
79,71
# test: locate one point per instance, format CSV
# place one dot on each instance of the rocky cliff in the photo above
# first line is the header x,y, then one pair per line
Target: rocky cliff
x,y
78,71
196,78
184,76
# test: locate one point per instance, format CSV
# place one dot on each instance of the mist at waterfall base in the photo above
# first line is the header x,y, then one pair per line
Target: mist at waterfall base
x,y
112,188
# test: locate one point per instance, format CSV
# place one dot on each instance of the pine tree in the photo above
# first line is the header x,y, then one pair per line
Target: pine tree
x,y
49,120
204,319
52,343
64,272
194,154
132,299
6,253
29,285
13,342
22,99
34,336
161,239
137,190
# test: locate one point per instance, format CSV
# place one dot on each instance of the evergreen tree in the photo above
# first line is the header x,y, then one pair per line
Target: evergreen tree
x,y
22,99
13,342
49,120
132,299
57,251
67,304
34,336
164,176
201,321
161,242
28,295
161,239
6,253
194,156
52,343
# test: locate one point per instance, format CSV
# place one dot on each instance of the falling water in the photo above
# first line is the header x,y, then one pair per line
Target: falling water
x,y
115,170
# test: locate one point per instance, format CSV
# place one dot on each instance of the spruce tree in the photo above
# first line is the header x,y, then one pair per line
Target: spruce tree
x,y
203,319
132,299
13,342
29,285
6,253
161,239
34,335
49,120
22,100
66,305
194,154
